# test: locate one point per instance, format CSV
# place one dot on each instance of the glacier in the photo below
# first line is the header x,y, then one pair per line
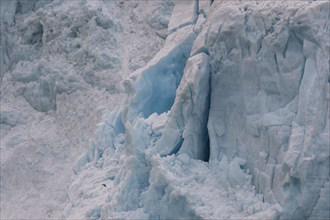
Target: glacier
x,y
228,120
241,114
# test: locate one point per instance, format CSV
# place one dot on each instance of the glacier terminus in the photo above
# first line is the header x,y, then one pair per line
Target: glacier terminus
x,y
205,109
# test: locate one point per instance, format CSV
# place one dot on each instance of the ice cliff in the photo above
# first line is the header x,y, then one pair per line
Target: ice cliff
x,y
229,120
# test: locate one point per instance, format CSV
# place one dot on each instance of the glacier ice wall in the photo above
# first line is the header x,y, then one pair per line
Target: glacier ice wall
x,y
242,85
270,95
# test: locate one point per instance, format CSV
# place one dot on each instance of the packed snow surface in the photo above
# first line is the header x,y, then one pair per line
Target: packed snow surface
x,y
62,64
226,119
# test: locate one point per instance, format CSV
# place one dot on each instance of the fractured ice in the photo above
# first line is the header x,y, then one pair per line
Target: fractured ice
x,y
230,119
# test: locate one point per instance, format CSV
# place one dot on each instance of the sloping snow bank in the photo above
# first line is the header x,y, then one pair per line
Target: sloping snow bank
x,y
62,65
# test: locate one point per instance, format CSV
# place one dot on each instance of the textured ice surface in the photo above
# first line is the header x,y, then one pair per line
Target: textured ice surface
x,y
186,129
155,84
252,102
184,13
229,120
270,95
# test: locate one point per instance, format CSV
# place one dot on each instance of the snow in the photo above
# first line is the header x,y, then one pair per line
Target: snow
x,y
62,64
204,7
229,119
184,13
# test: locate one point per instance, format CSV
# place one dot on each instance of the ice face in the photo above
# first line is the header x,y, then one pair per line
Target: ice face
x,y
254,91
186,130
252,102
229,120
155,85
269,100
